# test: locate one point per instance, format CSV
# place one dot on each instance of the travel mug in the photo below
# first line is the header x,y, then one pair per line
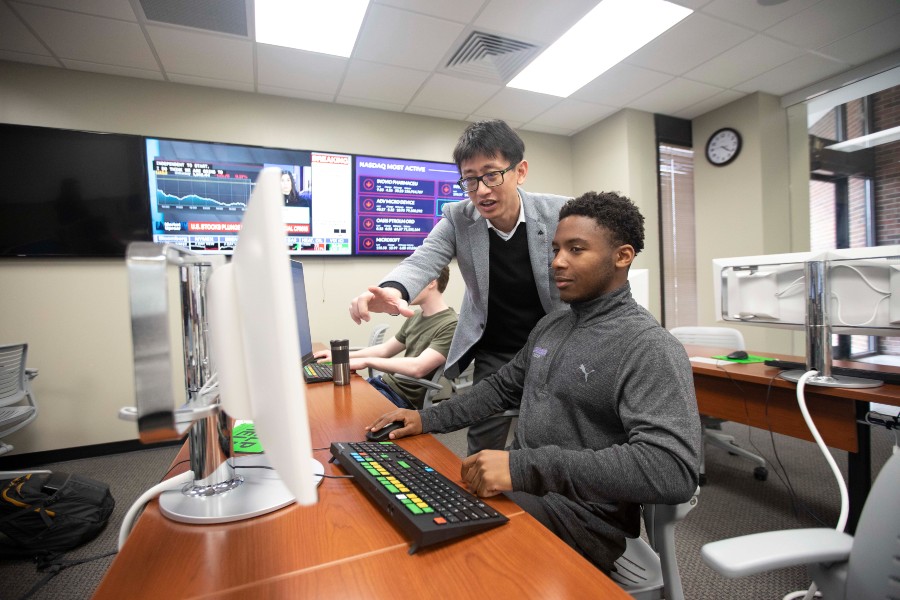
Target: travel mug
x,y
340,361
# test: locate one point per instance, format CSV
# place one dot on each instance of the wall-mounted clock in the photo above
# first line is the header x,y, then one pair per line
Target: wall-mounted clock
x,y
723,146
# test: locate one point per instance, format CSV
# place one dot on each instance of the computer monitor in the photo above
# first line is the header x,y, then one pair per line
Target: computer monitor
x,y
70,194
771,290
766,290
254,342
854,291
399,201
200,190
301,309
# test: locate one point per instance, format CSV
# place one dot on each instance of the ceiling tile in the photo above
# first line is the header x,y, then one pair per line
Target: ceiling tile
x,y
712,103
199,54
535,21
461,11
454,95
620,85
113,69
515,105
15,36
114,9
369,103
274,90
243,86
697,38
539,128
794,75
672,96
434,112
381,83
572,114
866,45
405,39
90,39
746,60
299,70
753,14
34,59
831,20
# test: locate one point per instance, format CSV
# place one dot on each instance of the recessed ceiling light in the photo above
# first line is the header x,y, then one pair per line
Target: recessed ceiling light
x,y
328,27
613,30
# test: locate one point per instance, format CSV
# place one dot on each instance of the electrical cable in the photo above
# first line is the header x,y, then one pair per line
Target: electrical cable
x,y
176,482
842,486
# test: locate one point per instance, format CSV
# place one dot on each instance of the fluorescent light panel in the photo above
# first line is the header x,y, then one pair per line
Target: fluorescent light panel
x,y
613,30
868,141
325,26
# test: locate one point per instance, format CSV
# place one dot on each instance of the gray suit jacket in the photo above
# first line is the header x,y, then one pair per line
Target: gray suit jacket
x,y
463,234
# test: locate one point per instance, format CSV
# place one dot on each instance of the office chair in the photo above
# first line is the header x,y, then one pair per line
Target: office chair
x,y
721,337
864,565
15,387
649,570
432,386
376,338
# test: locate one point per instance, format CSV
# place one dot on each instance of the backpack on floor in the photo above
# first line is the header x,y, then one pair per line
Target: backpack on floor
x,y
43,514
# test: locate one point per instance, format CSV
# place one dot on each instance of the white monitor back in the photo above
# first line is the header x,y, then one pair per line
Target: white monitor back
x,y
254,342
770,290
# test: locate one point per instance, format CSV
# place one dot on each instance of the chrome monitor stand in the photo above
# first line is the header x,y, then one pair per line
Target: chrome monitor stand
x,y
818,333
218,494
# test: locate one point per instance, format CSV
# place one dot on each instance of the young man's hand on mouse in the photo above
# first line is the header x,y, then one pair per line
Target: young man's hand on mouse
x,y
412,423
487,472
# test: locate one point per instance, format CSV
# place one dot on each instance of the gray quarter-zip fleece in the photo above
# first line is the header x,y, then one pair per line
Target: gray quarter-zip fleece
x,y
608,419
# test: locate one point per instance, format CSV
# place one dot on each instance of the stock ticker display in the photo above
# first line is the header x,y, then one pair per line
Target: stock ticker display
x,y
398,202
199,191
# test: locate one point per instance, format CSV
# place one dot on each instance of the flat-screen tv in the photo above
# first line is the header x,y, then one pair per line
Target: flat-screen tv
x,y
199,191
71,193
399,201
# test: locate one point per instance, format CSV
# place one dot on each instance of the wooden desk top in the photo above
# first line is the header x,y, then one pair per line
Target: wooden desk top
x,y
760,373
344,545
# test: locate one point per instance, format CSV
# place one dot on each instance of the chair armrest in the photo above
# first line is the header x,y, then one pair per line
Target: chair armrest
x,y
770,550
31,373
427,383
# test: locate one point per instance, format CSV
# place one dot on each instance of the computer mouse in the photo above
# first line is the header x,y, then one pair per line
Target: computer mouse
x,y
382,434
737,355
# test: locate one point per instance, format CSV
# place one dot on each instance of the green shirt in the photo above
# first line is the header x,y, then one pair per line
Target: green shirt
x,y
419,333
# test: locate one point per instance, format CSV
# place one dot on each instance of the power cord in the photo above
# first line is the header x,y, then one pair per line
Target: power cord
x,y
845,502
176,482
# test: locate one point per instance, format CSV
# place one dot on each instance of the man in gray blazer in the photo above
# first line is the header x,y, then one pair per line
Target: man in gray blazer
x,y
495,236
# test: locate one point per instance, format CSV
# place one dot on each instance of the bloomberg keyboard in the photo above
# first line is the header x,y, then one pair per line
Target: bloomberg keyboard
x,y
885,376
315,372
428,507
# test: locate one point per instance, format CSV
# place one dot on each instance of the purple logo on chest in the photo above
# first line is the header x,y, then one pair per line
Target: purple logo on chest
x,y
539,352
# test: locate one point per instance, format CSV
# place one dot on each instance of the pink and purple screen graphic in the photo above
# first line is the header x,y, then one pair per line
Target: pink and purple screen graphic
x,y
398,202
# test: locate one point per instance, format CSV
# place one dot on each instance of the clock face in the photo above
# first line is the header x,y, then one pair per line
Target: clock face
x,y
723,146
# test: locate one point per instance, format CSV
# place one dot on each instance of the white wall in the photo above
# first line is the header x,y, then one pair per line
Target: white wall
x,y
746,208
74,313
619,155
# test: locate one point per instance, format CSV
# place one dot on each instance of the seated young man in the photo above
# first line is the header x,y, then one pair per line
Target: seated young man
x,y
424,339
607,413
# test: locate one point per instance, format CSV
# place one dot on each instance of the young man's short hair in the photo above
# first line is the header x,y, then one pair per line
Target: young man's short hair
x,y
616,213
443,279
489,138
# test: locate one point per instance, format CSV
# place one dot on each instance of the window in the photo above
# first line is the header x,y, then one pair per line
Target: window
x,y
679,264
855,192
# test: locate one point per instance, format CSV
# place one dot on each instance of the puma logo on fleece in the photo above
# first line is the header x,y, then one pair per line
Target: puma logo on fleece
x,y
585,371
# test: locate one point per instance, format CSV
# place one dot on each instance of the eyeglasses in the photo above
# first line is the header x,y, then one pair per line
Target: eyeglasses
x,y
492,179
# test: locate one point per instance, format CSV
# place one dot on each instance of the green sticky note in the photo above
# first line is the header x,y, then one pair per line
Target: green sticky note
x,y
244,440
750,359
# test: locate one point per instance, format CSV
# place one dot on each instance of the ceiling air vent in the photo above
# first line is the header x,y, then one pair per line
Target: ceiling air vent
x,y
224,16
491,57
